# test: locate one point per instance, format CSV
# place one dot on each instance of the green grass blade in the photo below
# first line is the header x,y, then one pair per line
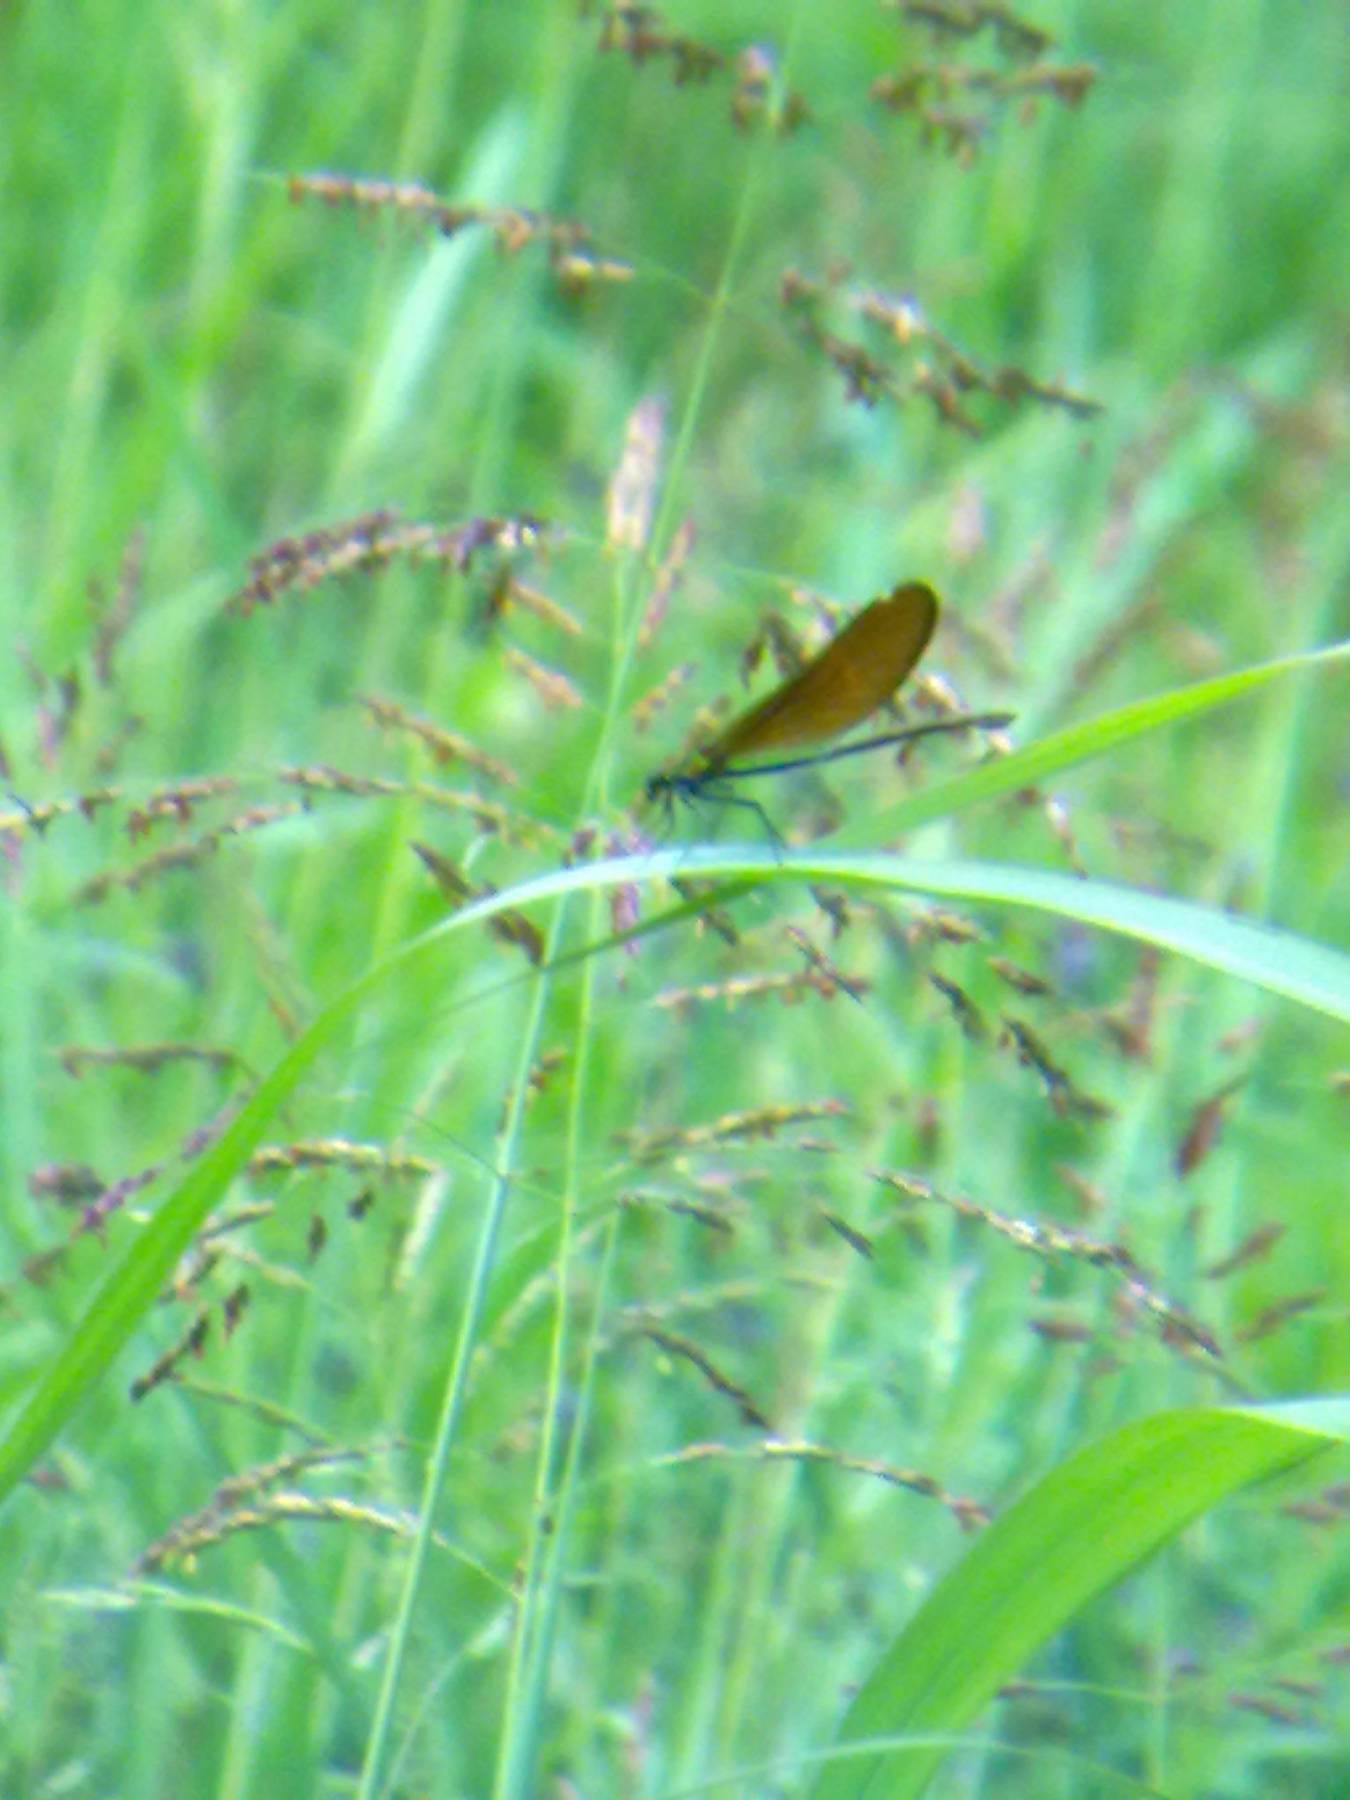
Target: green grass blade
x,y
132,1286
1078,1531
1048,756
1282,962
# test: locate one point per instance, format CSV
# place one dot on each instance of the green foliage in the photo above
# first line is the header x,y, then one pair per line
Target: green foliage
x,y
1083,1526
572,1343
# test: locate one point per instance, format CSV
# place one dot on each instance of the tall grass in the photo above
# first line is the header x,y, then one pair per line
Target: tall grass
x,y
481,1319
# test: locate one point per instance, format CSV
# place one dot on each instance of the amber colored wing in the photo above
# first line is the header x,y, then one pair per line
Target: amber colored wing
x,y
850,678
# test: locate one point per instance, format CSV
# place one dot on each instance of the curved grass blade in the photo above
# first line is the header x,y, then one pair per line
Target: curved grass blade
x,y
131,1287
1282,962
1076,1533
1078,743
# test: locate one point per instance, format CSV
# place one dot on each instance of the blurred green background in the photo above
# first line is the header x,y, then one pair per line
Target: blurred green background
x,y
191,356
